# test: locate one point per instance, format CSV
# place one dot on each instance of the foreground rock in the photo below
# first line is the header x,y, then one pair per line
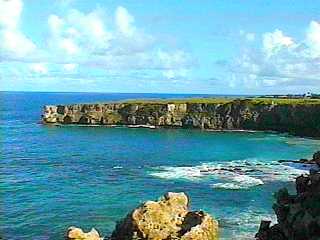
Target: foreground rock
x,y
168,218
74,233
298,215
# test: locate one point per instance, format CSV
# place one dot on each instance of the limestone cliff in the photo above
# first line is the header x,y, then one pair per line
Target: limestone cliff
x,y
297,118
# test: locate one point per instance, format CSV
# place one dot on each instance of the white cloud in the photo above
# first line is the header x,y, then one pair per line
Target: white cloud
x,y
280,61
78,33
313,38
92,41
273,42
13,43
125,22
175,63
39,68
86,39
10,11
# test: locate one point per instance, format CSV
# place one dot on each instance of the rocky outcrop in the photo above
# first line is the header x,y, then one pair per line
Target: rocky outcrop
x,y
239,114
74,233
166,219
298,215
315,160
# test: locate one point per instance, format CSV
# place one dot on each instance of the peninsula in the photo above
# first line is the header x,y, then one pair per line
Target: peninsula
x,y
299,117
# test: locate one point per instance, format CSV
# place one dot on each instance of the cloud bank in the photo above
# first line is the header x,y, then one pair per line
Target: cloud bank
x,y
94,41
279,61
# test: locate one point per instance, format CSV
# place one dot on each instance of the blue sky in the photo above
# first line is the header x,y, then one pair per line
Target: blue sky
x,y
220,47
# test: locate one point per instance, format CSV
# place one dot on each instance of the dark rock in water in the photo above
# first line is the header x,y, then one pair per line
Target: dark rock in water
x,y
165,219
303,161
269,233
298,215
316,158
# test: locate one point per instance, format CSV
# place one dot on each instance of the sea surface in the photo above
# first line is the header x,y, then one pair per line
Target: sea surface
x,y
54,177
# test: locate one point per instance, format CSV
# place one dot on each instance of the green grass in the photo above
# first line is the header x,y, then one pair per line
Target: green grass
x,y
253,101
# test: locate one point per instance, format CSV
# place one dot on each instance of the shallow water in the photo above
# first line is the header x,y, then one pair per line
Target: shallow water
x,y
54,177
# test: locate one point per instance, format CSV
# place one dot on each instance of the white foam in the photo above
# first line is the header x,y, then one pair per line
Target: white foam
x,y
189,173
117,167
242,174
244,224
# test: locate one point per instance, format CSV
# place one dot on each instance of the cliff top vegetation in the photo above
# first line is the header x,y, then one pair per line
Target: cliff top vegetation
x,y
255,101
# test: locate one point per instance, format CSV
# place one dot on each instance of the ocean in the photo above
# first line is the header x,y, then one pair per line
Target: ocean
x,y
55,177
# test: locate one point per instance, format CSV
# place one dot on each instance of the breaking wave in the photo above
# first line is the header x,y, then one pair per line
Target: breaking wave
x,y
242,174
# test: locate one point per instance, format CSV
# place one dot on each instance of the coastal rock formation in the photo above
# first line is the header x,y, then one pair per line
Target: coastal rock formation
x,y
298,215
298,118
165,219
74,233
168,218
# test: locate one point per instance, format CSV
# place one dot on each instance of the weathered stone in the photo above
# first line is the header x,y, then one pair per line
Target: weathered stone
x,y
167,218
75,233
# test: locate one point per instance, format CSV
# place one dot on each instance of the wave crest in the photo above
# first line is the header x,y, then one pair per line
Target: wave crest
x,y
232,175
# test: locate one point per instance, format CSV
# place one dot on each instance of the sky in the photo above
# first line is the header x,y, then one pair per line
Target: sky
x,y
160,46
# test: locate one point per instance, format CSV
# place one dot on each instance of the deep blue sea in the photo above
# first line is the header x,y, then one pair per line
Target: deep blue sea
x,y
55,177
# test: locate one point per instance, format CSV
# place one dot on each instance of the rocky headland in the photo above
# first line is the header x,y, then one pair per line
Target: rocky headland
x,y
297,117
165,219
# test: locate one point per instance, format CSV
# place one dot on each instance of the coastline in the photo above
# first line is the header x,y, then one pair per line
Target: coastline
x,y
296,117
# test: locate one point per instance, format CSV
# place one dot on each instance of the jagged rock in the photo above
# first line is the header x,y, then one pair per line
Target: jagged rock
x,y
298,215
316,157
75,233
165,219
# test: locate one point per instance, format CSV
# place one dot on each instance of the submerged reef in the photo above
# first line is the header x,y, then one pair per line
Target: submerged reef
x,y
297,117
167,218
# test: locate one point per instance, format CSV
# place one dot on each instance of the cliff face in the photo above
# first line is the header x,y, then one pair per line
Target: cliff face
x,y
297,119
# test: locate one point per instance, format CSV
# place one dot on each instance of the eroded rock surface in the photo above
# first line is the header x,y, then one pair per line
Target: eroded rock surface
x,y
168,218
75,233
165,219
298,215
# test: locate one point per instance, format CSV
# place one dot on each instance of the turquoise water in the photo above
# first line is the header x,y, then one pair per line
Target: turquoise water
x,y
55,177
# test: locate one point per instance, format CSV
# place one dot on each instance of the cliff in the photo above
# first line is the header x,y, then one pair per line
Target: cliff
x,y
297,117
167,218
